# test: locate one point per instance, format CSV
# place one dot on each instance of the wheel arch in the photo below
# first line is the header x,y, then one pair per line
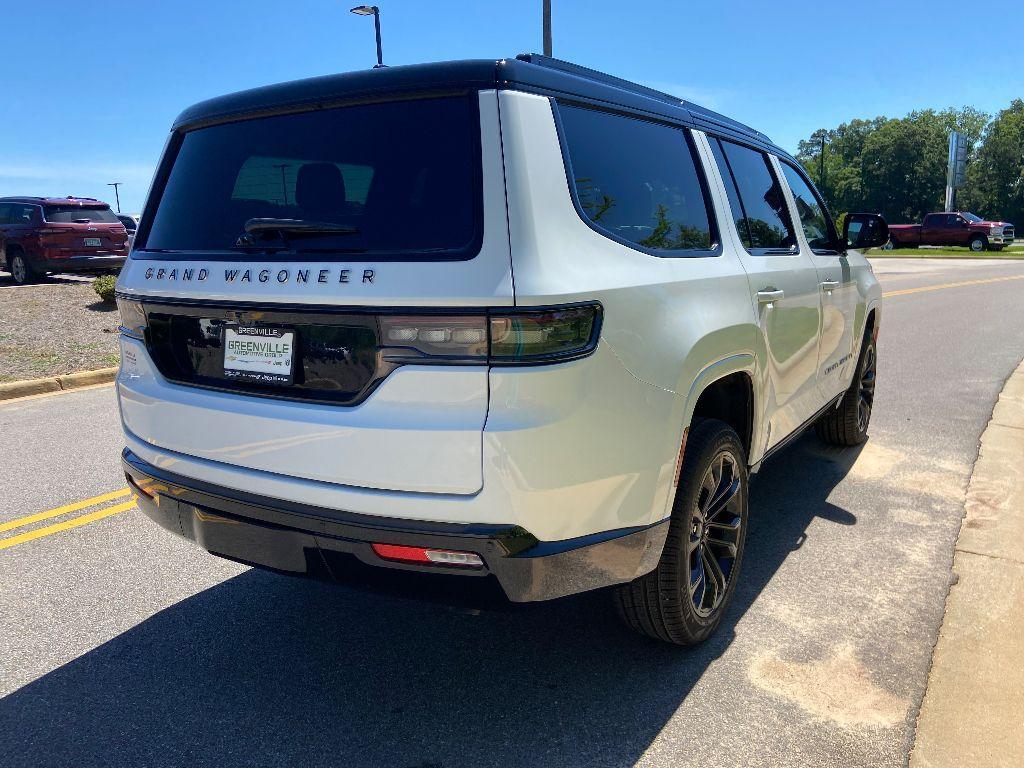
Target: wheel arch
x,y
725,390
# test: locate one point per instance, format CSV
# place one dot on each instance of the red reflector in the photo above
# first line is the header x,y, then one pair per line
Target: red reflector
x,y
406,554
433,556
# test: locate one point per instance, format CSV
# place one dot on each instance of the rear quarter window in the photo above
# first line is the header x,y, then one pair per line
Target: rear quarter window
x,y
403,177
636,181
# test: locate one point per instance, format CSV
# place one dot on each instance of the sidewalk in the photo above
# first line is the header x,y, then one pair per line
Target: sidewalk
x,y
973,710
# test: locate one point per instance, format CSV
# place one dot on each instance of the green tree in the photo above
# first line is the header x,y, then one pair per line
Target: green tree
x,y
995,179
894,166
903,168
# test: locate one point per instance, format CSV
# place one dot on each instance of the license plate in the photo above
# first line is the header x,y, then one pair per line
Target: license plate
x,y
259,353
94,242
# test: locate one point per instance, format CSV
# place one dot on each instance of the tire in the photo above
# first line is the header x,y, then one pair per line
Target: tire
x,y
21,271
848,423
891,245
977,244
707,531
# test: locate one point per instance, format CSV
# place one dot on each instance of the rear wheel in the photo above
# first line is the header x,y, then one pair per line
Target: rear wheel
x,y
891,245
682,601
848,423
977,244
21,270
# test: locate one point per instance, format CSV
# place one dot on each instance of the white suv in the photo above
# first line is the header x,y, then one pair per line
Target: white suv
x,y
511,324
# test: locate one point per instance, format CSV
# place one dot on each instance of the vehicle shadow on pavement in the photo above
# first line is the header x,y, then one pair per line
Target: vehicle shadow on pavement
x,y
268,670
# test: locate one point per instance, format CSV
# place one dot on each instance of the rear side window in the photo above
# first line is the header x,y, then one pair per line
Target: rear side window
x,y
636,180
402,179
762,219
70,213
818,228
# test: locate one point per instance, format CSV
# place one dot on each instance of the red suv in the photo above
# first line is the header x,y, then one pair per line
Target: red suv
x,y
59,234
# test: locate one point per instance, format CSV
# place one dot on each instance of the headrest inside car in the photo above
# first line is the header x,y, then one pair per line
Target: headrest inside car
x,y
320,189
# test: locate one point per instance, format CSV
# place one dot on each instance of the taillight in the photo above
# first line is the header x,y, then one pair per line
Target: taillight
x,y
499,337
45,233
133,317
545,335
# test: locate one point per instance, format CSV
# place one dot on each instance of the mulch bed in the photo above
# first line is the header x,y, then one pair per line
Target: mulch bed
x,y
54,327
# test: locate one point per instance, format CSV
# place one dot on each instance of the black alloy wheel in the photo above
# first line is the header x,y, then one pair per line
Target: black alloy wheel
x,y
715,534
866,395
682,601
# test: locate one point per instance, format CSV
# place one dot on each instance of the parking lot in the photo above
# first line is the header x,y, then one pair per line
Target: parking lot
x,y
123,645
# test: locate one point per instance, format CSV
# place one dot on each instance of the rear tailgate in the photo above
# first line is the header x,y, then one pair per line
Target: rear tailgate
x,y
76,230
343,414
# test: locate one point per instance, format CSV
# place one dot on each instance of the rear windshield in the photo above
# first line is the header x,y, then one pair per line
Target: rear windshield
x,y
398,178
70,213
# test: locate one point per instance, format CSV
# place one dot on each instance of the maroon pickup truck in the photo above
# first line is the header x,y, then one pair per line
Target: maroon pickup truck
x,y
956,229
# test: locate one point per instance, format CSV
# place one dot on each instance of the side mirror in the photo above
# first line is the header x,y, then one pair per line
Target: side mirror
x,y
865,230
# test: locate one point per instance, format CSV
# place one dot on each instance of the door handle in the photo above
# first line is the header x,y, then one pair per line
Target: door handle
x,y
829,285
769,295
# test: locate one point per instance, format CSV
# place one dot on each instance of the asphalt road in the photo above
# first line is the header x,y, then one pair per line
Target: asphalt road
x,y
122,645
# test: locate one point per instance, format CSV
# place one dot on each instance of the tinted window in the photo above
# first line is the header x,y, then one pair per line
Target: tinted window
x,y
5,211
402,175
767,222
70,213
128,221
730,188
22,214
636,180
813,219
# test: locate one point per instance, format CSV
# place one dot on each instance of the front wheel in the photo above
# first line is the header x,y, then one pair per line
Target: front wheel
x,y
977,244
847,424
683,599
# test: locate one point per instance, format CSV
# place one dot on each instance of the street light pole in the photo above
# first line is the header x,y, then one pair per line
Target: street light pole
x,y
547,27
372,10
117,197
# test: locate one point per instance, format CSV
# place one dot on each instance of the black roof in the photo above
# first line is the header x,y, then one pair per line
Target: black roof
x,y
91,202
527,72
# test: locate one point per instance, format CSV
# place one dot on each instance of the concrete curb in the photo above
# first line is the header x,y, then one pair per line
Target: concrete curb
x,y
972,709
15,389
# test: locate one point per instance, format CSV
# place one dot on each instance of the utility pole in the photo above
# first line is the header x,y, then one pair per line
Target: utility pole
x,y
117,197
547,27
821,166
284,186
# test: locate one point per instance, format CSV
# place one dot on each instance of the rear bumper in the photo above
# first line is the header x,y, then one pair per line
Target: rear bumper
x,y
317,542
86,262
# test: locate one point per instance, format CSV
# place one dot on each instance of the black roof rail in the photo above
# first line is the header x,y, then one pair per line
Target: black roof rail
x,y
601,77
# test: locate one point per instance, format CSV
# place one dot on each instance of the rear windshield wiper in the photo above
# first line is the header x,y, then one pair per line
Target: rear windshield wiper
x,y
258,230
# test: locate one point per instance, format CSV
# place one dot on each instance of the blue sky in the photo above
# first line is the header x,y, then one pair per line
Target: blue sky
x,y
90,88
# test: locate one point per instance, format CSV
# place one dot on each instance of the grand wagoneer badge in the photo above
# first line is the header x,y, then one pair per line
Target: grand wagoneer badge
x,y
263,275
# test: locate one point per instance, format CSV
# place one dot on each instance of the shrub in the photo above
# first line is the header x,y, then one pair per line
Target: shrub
x,y
104,286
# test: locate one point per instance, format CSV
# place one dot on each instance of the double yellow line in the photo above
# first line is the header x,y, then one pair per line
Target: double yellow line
x,y
923,288
66,525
